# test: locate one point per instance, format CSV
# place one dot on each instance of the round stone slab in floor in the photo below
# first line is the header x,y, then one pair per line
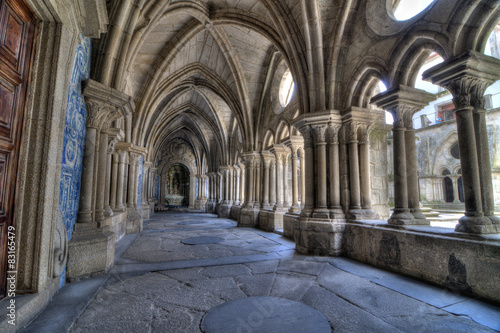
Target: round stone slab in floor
x,y
264,314
202,240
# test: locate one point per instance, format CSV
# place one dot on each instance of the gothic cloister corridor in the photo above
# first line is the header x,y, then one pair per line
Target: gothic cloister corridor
x,y
159,284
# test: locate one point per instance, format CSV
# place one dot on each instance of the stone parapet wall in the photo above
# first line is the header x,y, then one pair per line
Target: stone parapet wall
x,y
466,265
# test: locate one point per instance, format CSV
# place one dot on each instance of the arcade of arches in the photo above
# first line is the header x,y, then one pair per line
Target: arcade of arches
x,y
267,112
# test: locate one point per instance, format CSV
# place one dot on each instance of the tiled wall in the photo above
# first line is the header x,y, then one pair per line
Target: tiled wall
x,y
74,139
139,181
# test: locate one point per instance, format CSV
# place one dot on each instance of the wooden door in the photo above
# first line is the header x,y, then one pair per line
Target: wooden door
x,y
17,27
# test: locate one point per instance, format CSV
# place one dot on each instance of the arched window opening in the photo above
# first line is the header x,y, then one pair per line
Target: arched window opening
x,y
455,151
442,108
492,93
448,189
406,9
287,86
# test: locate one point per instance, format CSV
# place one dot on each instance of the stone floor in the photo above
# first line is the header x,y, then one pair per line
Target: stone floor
x,y
168,277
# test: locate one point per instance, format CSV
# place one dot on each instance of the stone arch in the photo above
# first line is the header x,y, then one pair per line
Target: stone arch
x,y
364,80
443,156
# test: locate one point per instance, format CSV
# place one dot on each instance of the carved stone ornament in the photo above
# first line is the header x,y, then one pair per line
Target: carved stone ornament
x,y
111,145
319,132
463,89
60,246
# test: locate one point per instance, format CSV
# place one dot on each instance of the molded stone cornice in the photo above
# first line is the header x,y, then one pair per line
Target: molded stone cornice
x,y
318,118
131,148
471,64
100,93
93,17
115,133
404,99
267,156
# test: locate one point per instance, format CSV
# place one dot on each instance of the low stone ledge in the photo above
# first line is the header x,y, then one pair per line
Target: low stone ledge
x,y
468,264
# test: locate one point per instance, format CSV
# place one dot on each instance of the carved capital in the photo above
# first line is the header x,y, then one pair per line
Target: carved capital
x,y
319,132
333,133
111,145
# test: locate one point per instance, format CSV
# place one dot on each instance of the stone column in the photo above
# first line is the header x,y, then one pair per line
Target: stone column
x,y
467,76
455,190
242,184
286,190
364,170
279,182
309,179
249,174
122,162
316,232
281,152
101,176
302,177
272,183
296,144
109,177
336,211
114,179
355,211
267,157
258,181
321,209
237,174
85,209
132,173
403,102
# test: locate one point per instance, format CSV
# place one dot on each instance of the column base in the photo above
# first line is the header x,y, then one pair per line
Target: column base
x,y
419,215
145,211
321,213
290,224
108,212
224,211
249,217
91,251
401,218
271,220
296,209
134,222
337,213
477,225
319,237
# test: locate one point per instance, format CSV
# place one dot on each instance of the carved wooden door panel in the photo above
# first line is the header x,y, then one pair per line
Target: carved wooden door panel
x,y
17,27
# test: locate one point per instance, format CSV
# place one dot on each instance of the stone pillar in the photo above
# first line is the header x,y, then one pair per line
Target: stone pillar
x,y
281,152
354,178
85,209
249,214
302,177
412,170
114,180
267,158
402,103
242,184
321,209
296,144
455,190
109,199
316,233
191,191
364,171
335,207
286,190
237,175
309,179
272,183
258,181
132,175
101,176
467,76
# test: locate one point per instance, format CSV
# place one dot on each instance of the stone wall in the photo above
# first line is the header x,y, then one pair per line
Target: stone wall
x,y
466,265
379,171
74,140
